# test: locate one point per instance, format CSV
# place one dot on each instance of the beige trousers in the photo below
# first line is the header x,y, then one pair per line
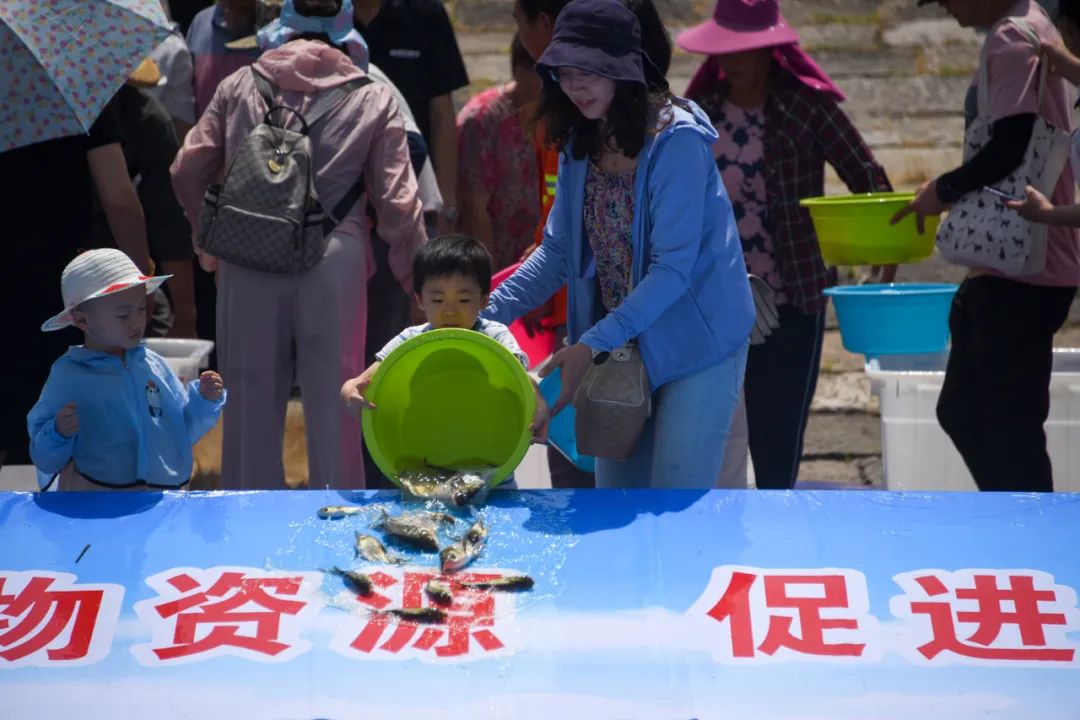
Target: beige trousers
x,y
275,331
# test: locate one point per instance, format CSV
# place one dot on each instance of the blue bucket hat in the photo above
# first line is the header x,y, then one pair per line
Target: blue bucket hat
x,y
339,28
602,37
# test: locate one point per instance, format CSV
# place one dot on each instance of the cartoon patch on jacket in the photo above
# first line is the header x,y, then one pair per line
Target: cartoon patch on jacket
x,y
153,399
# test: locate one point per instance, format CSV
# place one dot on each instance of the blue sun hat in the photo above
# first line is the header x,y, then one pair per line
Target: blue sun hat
x,y
339,28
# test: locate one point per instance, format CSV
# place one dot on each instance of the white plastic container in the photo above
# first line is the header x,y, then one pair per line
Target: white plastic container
x,y
916,452
185,357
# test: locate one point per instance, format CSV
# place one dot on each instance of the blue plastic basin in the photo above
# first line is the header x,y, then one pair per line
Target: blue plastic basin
x,y
561,432
899,318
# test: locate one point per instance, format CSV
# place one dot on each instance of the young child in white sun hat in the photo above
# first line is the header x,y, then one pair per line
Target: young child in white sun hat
x,y
112,414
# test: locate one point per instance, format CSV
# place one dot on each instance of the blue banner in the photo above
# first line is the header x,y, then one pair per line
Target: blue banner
x,y
644,604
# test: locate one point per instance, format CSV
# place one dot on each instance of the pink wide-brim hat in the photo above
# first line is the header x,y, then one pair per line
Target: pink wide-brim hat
x,y
737,26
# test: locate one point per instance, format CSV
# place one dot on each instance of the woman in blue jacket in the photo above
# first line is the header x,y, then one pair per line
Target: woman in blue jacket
x,y
643,235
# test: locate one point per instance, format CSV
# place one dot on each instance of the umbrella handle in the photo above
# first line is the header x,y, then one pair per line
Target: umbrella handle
x,y
275,108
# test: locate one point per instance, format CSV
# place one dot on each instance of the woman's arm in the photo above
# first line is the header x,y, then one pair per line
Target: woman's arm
x,y
1037,208
544,272
124,212
848,153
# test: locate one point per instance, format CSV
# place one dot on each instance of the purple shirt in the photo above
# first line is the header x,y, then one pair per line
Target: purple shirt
x,y
213,62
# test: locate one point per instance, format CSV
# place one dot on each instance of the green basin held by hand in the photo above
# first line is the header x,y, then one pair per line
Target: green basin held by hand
x,y
855,229
453,399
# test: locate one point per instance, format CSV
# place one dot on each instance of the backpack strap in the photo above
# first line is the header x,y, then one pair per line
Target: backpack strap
x,y
333,97
266,90
327,102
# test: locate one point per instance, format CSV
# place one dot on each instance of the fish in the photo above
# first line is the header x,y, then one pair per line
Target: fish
x,y
462,489
412,530
430,516
425,615
513,582
450,487
358,581
476,534
372,550
336,512
463,552
438,592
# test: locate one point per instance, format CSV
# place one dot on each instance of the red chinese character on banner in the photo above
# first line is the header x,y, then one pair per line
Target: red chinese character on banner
x,y
468,617
242,611
789,613
46,619
983,615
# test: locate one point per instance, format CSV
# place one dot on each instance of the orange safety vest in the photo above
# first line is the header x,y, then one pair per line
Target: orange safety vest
x,y
547,160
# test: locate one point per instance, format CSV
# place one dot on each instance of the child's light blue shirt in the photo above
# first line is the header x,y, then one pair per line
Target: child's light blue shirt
x,y
494,330
137,423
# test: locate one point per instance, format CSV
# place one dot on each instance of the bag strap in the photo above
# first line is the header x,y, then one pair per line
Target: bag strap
x,y
352,195
326,101
333,97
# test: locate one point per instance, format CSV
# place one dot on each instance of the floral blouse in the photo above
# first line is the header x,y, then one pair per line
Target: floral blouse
x,y
740,157
609,215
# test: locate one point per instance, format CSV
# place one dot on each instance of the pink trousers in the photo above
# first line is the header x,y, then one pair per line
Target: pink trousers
x,y
277,331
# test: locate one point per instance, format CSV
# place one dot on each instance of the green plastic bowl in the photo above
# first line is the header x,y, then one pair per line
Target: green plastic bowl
x,y
855,229
451,399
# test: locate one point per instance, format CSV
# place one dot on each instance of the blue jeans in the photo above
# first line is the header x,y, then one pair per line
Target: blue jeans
x,y
683,443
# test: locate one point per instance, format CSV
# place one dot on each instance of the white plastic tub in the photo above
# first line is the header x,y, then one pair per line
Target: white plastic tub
x,y
185,357
916,452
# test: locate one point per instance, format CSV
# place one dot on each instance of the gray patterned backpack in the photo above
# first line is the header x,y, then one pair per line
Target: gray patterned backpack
x,y
266,215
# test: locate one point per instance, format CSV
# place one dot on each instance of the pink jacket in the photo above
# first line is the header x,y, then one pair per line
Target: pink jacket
x,y
365,133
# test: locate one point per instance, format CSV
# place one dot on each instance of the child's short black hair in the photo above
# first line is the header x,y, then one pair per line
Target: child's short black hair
x,y
452,254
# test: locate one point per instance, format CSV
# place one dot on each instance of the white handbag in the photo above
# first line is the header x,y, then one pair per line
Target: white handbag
x,y
980,231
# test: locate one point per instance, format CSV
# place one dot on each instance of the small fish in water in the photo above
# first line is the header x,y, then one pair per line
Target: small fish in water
x,y
414,531
462,553
369,548
438,592
477,534
462,489
427,615
429,516
513,582
452,488
358,581
336,512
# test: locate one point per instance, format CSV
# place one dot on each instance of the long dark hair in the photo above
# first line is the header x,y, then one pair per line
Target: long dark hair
x,y
634,113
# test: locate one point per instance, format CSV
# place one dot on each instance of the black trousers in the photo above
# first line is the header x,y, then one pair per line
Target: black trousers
x,y
389,312
996,394
781,377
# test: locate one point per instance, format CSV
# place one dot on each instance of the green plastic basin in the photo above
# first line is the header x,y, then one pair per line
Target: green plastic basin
x,y
451,399
855,229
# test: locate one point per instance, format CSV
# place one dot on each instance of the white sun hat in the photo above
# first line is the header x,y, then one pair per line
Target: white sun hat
x,y
94,274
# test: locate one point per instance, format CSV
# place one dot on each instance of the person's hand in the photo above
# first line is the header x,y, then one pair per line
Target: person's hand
x,y
528,251
207,262
210,386
1059,61
573,361
534,320
926,202
352,394
1035,206
67,421
541,420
